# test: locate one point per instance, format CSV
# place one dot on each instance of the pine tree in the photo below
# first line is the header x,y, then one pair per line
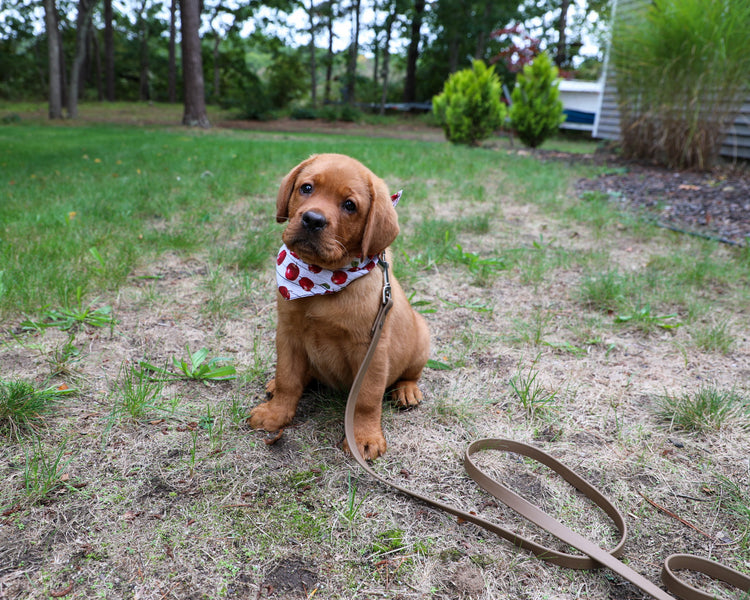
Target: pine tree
x,y
536,110
469,107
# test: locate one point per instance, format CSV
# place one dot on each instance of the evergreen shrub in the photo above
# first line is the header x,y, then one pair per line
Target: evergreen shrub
x,y
536,110
470,108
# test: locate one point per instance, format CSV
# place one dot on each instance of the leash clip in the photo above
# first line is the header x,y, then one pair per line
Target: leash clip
x,y
386,300
386,279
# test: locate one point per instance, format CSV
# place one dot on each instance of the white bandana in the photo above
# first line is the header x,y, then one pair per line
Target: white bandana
x,y
298,279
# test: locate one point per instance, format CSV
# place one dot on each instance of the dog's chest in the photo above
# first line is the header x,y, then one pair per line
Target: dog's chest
x,y
333,331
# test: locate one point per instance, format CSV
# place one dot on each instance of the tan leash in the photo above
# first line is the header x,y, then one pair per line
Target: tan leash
x,y
595,556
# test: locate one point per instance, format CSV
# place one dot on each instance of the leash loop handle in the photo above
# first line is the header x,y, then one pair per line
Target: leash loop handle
x,y
536,515
706,566
594,555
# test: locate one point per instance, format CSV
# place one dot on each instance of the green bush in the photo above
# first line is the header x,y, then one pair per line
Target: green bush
x,y
287,79
682,73
350,113
469,108
302,113
536,110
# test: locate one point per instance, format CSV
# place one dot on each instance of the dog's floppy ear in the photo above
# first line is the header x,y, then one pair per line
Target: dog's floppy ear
x,y
286,189
382,221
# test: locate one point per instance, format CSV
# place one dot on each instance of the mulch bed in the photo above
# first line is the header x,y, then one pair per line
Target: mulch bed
x,y
714,204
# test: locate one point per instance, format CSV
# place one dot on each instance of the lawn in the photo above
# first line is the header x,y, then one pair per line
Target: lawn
x,y
137,314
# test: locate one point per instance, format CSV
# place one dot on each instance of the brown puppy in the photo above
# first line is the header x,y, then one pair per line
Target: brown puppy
x,y
339,215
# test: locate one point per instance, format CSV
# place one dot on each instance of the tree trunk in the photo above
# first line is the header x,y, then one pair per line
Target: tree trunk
x,y
216,78
453,53
217,71
172,75
53,56
109,52
561,58
375,58
85,10
63,69
84,76
329,57
410,84
351,70
98,65
313,66
484,31
143,87
390,20
192,66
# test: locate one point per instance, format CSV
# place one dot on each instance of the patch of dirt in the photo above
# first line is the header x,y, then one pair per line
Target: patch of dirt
x,y
466,581
291,576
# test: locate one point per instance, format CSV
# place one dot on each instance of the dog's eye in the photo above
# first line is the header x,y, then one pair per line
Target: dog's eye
x,y
306,188
349,206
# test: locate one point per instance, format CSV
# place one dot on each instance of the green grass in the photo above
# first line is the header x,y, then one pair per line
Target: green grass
x,y
197,366
44,469
708,408
715,337
81,207
534,397
136,395
23,406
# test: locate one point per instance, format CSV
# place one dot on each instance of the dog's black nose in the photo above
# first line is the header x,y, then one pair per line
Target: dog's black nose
x,y
313,221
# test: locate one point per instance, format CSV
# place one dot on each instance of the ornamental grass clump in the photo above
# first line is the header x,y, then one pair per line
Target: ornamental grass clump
x,y
469,108
682,75
536,110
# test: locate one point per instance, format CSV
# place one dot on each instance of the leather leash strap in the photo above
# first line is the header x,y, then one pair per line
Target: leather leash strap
x,y
594,555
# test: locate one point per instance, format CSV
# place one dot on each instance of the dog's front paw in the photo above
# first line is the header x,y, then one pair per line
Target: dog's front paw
x,y
371,443
269,416
406,394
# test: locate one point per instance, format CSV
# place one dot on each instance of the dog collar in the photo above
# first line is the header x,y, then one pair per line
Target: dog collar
x,y
298,279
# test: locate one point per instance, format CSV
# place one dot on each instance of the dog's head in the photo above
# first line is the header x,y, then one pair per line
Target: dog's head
x,y
336,209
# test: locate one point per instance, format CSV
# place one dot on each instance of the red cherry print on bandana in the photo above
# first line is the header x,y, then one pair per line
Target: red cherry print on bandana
x,y
339,277
306,284
314,268
284,292
292,272
280,258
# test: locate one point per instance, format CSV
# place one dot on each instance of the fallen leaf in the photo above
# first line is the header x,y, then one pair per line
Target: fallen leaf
x,y
11,510
62,591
